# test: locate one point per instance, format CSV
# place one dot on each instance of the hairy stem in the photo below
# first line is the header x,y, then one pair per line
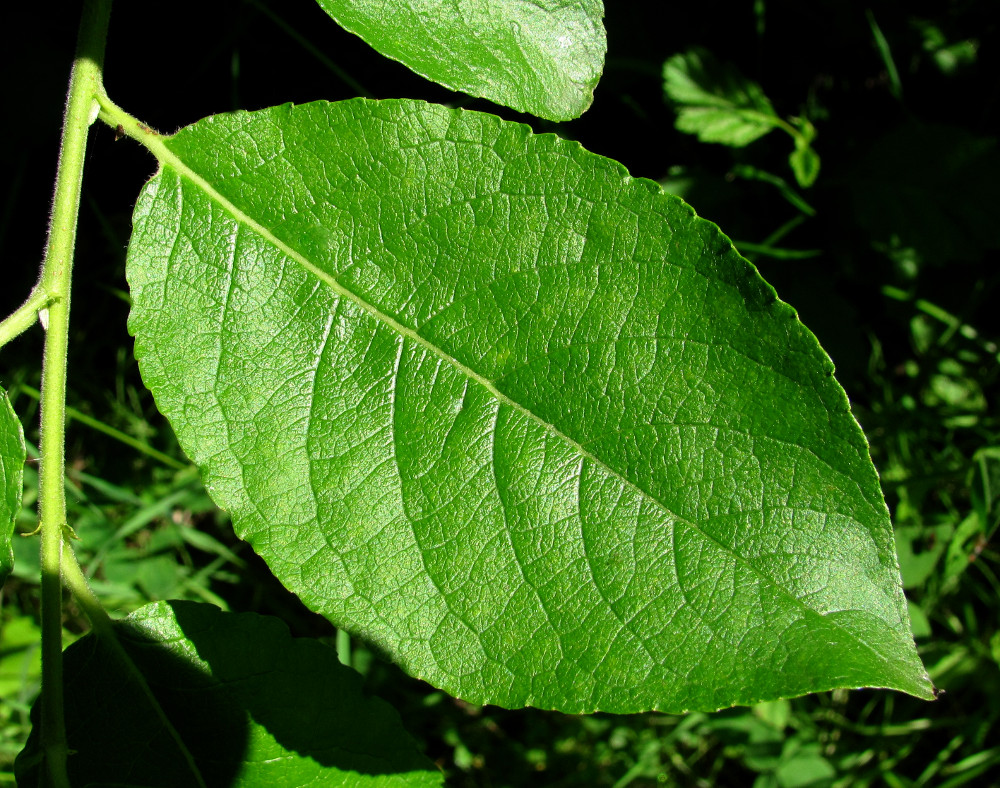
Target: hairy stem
x,y
84,85
25,316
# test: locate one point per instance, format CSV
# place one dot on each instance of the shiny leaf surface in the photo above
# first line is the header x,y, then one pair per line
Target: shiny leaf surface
x,y
539,57
526,423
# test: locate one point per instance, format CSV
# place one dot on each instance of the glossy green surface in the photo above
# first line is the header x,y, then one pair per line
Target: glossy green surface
x,y
526,423
539,57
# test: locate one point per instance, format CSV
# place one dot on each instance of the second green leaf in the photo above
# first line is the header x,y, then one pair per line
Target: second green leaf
x,y
539,57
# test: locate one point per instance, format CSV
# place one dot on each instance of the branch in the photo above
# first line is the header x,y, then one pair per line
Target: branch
x,y
54,285
25,315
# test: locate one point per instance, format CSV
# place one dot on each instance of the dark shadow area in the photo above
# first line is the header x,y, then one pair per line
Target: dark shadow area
x,y
116,733
233,693
298,691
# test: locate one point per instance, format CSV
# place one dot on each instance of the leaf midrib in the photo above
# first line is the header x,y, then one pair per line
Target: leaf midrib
x,y
157,146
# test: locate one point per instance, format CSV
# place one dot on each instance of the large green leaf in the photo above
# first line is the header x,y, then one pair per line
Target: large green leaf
x,y
526,423
544,57
223,700
11,472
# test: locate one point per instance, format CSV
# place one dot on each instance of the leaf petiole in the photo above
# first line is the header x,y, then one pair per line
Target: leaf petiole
x,y
24,316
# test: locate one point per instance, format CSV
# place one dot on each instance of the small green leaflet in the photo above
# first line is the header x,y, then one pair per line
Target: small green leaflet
x,y
11,473
524,422
715,101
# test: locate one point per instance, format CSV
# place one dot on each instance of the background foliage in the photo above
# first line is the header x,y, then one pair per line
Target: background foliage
x,y
890,258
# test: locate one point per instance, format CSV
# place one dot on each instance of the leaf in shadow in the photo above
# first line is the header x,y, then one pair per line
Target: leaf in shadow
x,y
238,702
715,101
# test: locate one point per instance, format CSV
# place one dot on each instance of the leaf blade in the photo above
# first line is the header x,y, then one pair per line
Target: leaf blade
x,y
527,381
542,58
12,455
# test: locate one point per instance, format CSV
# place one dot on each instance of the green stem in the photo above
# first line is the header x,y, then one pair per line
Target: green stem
x,y
84,85
25,315
343,647
895,85
126,124
756,116
84,595
745,248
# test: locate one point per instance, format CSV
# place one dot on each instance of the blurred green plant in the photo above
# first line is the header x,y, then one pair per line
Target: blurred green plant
x,y
717,103
948,55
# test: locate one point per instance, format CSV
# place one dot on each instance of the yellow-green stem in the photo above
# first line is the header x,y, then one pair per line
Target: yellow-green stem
x,y
25,316
84,85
